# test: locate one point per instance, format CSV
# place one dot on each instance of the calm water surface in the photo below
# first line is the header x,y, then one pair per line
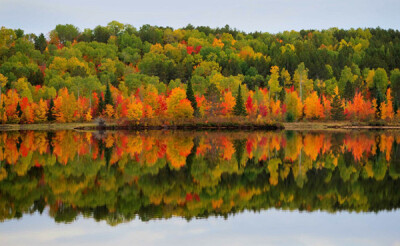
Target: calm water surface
x,y
199,188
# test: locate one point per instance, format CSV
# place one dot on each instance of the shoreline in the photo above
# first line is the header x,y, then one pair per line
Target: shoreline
x,y
295,126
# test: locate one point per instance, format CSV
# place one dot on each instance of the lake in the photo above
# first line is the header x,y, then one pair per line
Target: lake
x,y
200,188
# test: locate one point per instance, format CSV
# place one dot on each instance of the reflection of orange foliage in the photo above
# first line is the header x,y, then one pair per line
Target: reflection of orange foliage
x,y
385,145
30,149
313,145
178,149
359,145
64,147
359,109
203,147
228,148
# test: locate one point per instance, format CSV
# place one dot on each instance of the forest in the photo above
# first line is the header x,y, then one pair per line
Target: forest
x,y
120,176
164,75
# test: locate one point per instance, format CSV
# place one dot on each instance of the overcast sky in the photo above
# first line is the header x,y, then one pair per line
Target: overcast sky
x,y
248,15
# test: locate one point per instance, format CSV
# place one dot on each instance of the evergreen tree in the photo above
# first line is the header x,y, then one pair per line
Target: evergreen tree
x,y
19,111
50,115
239,106
101,106
348,91
190,96
40,43
107,96
379,100
337,110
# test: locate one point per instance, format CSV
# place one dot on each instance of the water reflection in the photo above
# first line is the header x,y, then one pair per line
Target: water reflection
x,y
118,176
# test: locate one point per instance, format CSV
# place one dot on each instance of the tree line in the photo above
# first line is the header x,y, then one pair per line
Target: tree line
x,y
120,72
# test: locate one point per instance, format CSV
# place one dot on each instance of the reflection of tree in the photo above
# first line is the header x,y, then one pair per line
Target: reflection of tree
x,y
239,150
118,176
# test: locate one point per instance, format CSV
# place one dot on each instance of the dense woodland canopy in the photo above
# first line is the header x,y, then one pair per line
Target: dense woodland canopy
x,y
121,72
119,176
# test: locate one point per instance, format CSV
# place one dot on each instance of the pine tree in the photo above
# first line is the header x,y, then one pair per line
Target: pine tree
x,y
348,91
19,111
337,108
107,96
40,43
101,105
50,115
192,99
239,106
379,100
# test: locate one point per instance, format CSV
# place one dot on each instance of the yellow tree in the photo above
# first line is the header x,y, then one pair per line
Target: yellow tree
x,y
40,111
294,106
177,104
387,112
65,106
135,110
109,112
88,116
3,114
273,82
10,102
228,103
313,107
301,80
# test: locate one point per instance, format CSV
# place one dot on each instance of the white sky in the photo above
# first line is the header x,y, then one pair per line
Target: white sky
x,y
271,227
252,15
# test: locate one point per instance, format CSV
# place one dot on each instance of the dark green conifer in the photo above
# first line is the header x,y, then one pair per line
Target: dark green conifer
x,y
40,43
190,96
379,100
239,106
19,111
348,91
107,96
50,115
101,106
337,110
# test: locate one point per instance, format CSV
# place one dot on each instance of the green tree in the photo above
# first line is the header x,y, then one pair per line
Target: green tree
x,y
273,82
107,96
40,43
301,80
379,100
346,77
101,106
239,108
67,32
348,91
115,27
101,34
337,108
50,115
380,82
192,99
19,111
158,65
395,85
